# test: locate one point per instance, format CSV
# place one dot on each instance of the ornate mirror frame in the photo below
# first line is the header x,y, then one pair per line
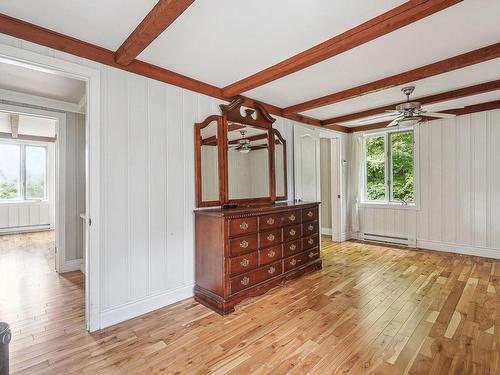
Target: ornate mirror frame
x,y
232,113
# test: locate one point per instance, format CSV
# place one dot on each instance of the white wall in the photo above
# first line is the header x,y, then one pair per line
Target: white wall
x,y
326,186
459,189
147,192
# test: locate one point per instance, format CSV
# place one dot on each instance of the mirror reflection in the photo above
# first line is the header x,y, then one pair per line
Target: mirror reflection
x,y
209,163
279,165
248,162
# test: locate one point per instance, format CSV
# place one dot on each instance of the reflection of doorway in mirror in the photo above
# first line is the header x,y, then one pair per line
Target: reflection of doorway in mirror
x,y
209,163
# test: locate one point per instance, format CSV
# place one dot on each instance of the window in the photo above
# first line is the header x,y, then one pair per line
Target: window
x,y
389,168
23,172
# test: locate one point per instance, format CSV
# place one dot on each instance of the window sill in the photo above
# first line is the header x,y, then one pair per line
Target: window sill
x,y
394,206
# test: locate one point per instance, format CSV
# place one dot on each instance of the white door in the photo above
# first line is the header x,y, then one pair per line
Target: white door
x,y
336,189
306,164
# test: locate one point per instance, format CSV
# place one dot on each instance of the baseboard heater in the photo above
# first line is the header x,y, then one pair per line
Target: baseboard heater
x,y
388,239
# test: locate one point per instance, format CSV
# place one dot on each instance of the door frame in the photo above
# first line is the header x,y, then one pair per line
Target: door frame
x,y
91,77
336,174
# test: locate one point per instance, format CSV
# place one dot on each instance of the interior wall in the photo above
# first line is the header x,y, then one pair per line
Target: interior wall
x,y
459,194
75,185
326,185
147,191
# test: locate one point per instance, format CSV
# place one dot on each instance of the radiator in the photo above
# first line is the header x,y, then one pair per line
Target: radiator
x,y
388,239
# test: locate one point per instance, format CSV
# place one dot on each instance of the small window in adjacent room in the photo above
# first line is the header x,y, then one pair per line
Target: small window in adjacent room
x,y
23,172
389,165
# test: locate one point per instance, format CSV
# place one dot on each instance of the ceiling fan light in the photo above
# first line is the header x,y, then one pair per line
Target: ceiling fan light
x,y
408,122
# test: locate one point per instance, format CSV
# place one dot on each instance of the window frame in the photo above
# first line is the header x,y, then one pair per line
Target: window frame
x,y
387,202
22,171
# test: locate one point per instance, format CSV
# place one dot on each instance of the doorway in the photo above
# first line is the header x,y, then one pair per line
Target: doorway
x,y
76,246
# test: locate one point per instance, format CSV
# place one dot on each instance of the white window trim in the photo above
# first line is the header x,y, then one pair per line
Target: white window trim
x,y
22,173
416,170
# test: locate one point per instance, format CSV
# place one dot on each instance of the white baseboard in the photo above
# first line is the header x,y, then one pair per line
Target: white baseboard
x,y
71,265
326,231
134,309
459,249
344,236
33,228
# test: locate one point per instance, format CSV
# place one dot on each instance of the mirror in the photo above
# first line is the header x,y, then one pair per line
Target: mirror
x,y
208,140
247,162
280,165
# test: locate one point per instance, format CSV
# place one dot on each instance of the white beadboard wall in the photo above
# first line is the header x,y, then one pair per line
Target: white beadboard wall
x,y
147,192
459,189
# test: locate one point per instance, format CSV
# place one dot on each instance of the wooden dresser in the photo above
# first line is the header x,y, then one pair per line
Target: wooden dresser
x,y
244,252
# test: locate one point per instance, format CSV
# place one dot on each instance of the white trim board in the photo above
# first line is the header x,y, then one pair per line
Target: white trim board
x,y
132,310
459,249
326,231
71,265
22,98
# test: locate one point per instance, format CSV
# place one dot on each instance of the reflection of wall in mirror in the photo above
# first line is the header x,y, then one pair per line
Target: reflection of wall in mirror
x,y
248,174
279,170
209,173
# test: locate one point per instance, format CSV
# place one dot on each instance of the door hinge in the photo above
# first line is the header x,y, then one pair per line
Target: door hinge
x,y
338,196
55,250
90,221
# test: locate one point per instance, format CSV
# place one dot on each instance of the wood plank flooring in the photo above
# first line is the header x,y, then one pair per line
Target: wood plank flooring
x,y
372,309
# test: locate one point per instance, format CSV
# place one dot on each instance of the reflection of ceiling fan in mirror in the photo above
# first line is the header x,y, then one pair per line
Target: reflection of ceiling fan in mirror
x,y
410,113
243,144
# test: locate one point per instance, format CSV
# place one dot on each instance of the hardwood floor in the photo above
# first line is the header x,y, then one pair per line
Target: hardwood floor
x,y
372,309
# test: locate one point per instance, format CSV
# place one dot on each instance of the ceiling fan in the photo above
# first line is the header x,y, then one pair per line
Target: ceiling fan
x,y
410,113
243,144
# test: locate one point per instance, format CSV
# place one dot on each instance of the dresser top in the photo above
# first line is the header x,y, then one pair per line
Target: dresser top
x,y
255,210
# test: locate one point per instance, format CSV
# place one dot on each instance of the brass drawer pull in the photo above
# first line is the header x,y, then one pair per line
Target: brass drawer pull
x,y
291,217
293,262
310,241
292,232
310,227
243,244
270,221
271,254
271,270
245,280
245,262
270,237
244,225
310,214
293,247
312,255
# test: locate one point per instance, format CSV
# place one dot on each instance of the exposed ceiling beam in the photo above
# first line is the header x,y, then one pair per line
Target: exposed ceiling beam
x,y
460,61
163,14
48,38
445,96
385,23
488,106
14,124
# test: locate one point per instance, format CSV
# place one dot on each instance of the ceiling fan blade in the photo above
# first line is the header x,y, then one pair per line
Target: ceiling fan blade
x,y
439,115
394,122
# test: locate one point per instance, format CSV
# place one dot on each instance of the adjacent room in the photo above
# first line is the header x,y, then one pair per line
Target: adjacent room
x,y
265,187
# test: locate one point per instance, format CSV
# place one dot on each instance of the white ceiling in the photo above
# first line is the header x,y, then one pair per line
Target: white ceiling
x,y
223,41
29,125
35,82
106,23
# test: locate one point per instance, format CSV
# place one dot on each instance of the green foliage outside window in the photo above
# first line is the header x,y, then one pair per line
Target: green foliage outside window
x,y
8,190
375,168
401,148
402,166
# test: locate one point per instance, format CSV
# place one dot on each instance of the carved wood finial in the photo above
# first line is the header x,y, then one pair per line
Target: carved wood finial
x,y
257,117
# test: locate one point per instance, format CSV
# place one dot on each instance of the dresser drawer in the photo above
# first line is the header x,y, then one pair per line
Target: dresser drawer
x,y
270,254
270,221
311,241
244,263
292,217
300,259
243,245
291,233
239,227
309,214
291,248
269,238
257,276
309,228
